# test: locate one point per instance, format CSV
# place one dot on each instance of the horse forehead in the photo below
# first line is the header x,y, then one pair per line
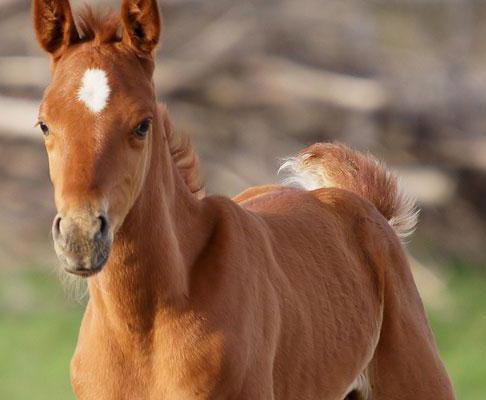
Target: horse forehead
x,y
94,89
91,84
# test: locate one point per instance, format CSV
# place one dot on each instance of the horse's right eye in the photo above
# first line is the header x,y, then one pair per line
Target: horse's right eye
x,y
44,128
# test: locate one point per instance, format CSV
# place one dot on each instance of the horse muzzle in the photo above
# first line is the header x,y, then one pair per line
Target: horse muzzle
x,y
82,242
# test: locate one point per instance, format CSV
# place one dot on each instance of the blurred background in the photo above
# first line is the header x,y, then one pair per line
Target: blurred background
x,y
253,81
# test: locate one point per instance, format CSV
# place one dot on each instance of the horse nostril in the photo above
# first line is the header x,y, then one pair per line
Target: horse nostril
x,y
57,226
103,230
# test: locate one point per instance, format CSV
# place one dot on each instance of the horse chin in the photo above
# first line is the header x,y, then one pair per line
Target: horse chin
x,y
84,267
82,273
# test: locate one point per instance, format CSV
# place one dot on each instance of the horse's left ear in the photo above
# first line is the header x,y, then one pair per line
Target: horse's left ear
x,y
54,25
141,21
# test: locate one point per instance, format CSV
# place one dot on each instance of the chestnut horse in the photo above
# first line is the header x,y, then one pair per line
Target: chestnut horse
x,y
280,293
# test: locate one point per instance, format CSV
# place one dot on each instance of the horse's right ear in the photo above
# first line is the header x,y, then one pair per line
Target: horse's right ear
x,y
54,25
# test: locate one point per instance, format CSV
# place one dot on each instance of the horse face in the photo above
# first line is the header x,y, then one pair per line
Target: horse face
x,y
96,117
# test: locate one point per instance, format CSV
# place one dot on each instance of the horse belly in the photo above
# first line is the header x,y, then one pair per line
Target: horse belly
x,y
329,333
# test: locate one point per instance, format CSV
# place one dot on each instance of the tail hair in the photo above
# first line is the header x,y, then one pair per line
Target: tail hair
x,y
326,165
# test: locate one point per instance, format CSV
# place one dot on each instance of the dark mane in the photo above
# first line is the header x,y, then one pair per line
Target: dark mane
x,y
99,26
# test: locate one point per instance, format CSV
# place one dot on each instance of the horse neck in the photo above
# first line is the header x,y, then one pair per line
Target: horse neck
x,y
152,254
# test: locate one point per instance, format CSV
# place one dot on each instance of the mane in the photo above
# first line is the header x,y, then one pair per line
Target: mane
x,y
97,25
184,156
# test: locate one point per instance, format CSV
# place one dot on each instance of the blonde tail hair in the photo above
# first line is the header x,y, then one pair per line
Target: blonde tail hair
x,y
326,165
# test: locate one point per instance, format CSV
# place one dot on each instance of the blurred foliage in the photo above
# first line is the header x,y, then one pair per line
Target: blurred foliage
x,y
37,338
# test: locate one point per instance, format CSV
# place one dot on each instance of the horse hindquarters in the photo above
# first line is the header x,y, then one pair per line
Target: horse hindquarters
x,y
405,371
406,364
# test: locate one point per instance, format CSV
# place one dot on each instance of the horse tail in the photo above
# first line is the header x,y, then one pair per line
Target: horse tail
x,y
326,165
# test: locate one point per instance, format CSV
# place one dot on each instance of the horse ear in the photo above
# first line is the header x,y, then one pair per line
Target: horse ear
x,y
141,21
54,24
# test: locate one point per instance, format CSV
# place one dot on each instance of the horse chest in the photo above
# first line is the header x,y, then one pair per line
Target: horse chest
x,y
174,367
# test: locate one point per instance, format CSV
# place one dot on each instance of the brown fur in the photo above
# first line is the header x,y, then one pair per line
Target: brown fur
x,y
184,156
102,28
278,294
335,165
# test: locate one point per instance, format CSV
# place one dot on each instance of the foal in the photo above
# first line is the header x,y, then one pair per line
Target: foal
x,y
279,293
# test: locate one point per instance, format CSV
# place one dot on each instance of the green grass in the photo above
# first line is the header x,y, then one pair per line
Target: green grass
x,y
460,330
38,329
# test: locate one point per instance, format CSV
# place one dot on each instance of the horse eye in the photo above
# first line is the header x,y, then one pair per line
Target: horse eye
x,y
143,128
44,128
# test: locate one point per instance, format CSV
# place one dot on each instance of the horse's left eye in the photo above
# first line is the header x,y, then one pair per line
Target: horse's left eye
x,y
143,128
